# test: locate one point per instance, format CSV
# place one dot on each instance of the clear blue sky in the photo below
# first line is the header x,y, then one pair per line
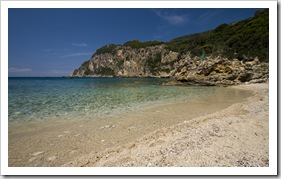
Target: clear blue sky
x,y
54,42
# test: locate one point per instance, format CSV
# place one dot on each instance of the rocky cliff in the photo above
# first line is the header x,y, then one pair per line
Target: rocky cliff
x,y
219,71
228,55
157,61
152,61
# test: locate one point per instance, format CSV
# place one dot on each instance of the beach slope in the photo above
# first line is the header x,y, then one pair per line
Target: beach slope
x,y
236,136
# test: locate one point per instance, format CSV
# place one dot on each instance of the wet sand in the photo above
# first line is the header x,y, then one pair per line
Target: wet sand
x,y
210,132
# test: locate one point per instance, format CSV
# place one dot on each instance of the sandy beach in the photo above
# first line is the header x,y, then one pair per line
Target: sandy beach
x,y
235,136
228,129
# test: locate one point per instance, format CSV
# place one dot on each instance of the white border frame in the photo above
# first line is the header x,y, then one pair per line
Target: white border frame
x,y
271,170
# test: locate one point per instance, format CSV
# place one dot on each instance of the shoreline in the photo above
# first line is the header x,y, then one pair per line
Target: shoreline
x,y
58,143
236,136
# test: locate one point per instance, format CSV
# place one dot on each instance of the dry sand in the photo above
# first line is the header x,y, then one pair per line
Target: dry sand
x,y
235,136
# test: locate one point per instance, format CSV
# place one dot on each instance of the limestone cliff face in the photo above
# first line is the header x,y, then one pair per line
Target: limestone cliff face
x,y
153,61
157,61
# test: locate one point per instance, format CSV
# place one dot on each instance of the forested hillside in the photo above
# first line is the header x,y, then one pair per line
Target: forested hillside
x,y
243,39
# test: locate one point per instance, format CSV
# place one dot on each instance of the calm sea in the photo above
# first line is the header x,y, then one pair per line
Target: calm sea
x,y
91,98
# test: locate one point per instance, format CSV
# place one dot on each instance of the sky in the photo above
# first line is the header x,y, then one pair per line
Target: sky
x,y
53,42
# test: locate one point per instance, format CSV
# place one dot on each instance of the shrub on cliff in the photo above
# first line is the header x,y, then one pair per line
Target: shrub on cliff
x,y
248,38
138,44
110,48
84,68
154,64
106,71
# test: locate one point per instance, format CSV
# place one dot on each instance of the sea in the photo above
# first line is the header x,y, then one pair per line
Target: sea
x,y
58,98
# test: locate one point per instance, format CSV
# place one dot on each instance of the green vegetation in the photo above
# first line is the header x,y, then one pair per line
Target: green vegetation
x,y
138,44
84,66
105,71
153,64
242,40
110,48
101,71
120,63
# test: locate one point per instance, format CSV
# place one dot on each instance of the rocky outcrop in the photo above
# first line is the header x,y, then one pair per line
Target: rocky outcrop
x,y
151,61
183,69
219,71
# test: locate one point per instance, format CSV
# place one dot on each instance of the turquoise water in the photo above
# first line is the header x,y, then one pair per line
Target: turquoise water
x,y
90,98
